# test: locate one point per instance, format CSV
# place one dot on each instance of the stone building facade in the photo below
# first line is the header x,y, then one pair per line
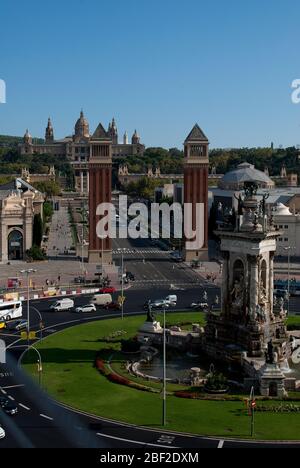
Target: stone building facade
x,y
77,147
19,202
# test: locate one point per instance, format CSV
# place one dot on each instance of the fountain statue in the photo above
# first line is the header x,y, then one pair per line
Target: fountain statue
x,y
150,314
247,322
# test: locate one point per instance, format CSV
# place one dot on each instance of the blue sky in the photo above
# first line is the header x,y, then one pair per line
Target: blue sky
x,y
158,66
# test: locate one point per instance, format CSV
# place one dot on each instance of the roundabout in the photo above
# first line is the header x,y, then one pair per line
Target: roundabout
x,y
71,377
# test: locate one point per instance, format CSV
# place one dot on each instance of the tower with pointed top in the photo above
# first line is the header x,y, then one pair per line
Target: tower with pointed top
x,y
49,133
283,172
196,167
113,132
135,140
125,138
100,186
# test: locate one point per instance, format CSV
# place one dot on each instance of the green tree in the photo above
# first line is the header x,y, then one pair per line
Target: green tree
x,y
50,188
37,230
47,211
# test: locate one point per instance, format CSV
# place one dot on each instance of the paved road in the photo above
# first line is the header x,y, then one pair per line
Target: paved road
x,y
43,423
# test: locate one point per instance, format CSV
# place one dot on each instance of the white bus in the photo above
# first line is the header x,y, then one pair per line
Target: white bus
x,y
10,310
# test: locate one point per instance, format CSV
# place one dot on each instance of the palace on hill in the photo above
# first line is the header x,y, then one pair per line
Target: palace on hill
x,y
77,147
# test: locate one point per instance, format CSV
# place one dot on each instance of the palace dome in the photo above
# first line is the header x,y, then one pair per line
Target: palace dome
x,y
245,172
82,128
282,210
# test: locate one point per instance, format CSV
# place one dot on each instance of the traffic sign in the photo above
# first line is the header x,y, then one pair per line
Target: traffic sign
x,y
121,299
32,335
28,336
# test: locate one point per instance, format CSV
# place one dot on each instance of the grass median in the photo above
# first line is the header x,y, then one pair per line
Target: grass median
x,y
69,376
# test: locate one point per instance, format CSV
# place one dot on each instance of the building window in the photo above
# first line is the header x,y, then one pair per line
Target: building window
x,y
280,239
286,239
281,226
286,226
198,150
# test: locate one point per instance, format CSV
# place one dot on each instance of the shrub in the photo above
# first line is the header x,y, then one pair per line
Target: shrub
x,y
100,365
216,382
190,395
35,253
115,378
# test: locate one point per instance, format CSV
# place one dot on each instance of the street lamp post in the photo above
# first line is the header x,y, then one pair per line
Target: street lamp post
x,y
39,362
122,282
28,273
41,320
164,409
288,249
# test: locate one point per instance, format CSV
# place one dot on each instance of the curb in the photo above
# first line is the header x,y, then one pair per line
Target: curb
x,y
67,292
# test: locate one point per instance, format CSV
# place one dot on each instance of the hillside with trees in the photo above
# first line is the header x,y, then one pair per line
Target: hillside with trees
x,y
171,161
11,162
273,159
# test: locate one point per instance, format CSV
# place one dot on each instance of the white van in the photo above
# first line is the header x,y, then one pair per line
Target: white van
x,y
62,305
171,300
10,310
101,299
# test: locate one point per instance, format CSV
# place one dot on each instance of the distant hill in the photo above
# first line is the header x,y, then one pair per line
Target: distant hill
x,y
7,141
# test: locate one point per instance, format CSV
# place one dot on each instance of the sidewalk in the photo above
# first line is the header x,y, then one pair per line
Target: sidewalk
x,y
57,272
210,272
60,235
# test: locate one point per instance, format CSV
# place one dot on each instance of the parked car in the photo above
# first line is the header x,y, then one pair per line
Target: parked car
x,y
86,308
158,304
62,305
171,300
17,325
80,280
8,406
107,290
113,306
101,299
2,433
199,305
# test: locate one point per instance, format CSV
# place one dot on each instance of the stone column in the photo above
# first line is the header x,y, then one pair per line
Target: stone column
x,y
225,281
271,281
253,261
87,182
4,241
81,182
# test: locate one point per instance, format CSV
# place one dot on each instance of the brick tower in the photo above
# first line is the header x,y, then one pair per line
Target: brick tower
x,y
196,163
100,182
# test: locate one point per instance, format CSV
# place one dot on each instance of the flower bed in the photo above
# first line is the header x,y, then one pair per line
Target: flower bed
x,y
118,379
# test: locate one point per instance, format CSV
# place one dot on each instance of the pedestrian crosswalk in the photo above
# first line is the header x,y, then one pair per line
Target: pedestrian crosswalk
x,y
171,283
141,251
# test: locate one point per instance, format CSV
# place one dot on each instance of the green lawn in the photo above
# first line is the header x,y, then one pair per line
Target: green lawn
x,y
69,376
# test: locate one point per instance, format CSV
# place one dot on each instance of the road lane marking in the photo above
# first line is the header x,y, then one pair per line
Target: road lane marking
x,y
134,441
12,386
23,406
46,417
221,444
